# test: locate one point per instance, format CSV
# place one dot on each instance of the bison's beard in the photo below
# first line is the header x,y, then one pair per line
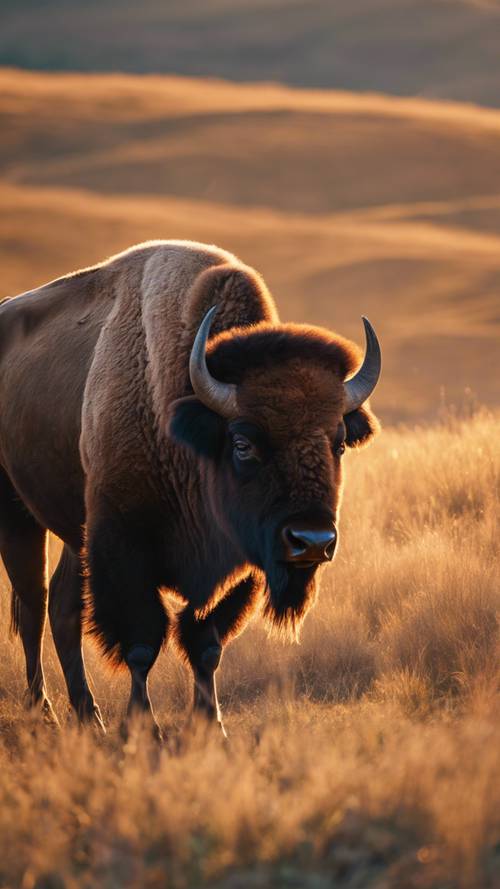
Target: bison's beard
x,y
290,593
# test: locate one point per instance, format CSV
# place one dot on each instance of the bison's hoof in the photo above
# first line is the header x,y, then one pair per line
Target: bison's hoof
x,y
96,721
48,715
131,728
88,714
206,720
43,707
156,733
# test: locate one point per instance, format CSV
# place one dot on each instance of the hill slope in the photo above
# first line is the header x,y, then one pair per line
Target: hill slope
x,y
347,204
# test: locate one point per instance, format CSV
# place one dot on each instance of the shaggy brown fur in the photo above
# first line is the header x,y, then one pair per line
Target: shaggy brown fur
x,y
99,431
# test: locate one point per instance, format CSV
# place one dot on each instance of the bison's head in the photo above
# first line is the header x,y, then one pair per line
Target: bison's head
x,y
271,417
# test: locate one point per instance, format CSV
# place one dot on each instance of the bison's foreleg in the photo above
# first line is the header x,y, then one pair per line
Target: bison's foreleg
x,y
125,611
201,641
139,660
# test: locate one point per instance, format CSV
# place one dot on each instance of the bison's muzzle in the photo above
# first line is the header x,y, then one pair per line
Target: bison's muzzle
x,y
308,546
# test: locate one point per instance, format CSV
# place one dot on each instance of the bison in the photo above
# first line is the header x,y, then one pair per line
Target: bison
x,y
159,419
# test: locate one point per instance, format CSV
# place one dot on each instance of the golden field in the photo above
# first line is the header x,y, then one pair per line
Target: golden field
x,y
367,756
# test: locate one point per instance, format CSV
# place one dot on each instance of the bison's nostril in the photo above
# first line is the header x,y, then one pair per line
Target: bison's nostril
x,y
330,547
296,542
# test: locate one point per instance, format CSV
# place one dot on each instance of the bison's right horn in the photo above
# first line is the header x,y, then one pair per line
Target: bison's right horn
x,y
220,397
362,384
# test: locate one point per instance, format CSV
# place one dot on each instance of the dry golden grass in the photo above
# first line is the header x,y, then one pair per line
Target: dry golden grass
x,y
368,756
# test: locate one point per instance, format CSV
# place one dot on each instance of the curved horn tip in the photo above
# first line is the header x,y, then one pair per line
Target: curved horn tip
x,y
206,321
359,388
202,335
211,311
369,327
372,338
375,341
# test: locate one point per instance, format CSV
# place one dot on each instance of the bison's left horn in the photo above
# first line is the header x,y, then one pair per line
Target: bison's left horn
x,y
361,386
220,397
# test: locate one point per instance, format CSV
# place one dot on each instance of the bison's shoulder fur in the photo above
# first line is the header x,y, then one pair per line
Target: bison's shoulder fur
x,y
141,357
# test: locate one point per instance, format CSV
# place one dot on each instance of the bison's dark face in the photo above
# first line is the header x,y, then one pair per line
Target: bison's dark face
x,y
273,468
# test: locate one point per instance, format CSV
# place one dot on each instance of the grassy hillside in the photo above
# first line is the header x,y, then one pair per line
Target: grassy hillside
x,y
347,204
365,758
441,48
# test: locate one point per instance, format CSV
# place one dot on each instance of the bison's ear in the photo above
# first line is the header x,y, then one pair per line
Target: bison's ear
x,y
196,426
361,425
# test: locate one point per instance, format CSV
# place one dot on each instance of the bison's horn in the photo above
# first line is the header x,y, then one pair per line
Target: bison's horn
x,y
220,397
361,386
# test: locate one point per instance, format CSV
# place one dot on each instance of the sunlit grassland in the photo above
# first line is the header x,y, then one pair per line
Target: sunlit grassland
x,y
366,756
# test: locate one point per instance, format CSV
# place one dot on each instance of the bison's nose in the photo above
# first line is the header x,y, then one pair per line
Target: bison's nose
x,y
306,546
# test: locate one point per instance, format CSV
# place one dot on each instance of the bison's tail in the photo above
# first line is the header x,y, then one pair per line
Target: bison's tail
x,y
15,613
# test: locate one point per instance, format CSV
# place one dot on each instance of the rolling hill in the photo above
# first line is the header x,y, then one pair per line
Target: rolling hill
x,y
347,203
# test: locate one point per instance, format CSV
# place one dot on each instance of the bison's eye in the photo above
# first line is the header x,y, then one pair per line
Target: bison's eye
x,y
339,449
244,449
